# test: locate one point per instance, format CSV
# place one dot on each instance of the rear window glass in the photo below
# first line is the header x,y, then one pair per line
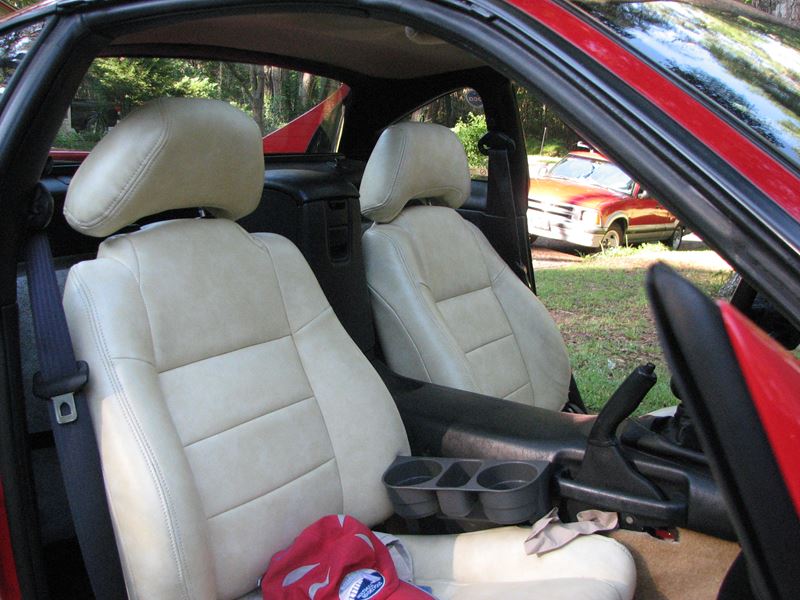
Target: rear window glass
x,y
747,65
297,112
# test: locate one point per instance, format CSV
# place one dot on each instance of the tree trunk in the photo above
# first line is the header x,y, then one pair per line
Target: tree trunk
x,y
304,93
278,104
786,10
259,79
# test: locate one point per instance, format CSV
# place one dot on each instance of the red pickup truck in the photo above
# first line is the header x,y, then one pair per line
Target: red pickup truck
x,y
587,200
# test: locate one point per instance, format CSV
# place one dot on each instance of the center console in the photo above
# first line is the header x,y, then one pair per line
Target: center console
x,y
581,460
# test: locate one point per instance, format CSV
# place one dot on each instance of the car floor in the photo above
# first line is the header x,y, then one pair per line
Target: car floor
x,y
691,568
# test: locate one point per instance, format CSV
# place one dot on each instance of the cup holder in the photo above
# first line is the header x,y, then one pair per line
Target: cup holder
x,y
507,476
457,502
502,492
401,481
510,495
412,472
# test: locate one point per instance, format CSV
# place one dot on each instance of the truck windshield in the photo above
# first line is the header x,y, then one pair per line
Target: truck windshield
x,y
593,172
741,59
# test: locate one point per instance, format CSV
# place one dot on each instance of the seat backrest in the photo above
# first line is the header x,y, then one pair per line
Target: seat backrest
x,y
448,309
231,408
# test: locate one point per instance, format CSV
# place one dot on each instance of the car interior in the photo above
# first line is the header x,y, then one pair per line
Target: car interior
x,y
266,334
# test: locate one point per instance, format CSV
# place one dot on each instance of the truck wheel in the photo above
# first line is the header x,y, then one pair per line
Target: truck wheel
x,y
674,241
613,237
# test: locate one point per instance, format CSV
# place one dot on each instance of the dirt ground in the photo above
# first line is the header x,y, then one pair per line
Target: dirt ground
x,y
550,254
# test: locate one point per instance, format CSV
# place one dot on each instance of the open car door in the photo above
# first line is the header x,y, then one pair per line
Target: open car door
x,y
741,389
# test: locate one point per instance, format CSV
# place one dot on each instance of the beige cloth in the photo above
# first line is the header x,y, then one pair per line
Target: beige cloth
x,y
549,532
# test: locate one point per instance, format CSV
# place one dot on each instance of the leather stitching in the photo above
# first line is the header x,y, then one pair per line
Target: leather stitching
x,y
489,343
266,249
385,202
267,493
115,206
511,393
193,362
176,542
138,278
403,327
246,421
475,234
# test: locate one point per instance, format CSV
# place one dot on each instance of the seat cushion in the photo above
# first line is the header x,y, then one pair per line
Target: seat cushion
x,y
493,564
449,310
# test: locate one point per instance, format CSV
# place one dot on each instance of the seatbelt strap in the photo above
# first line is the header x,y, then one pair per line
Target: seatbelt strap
x,y
60,381
498,147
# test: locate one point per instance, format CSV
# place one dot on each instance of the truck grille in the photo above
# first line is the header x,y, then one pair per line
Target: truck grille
x,y
560,211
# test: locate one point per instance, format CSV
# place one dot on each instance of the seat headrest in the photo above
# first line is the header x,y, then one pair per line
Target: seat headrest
x,y
170,153
414,161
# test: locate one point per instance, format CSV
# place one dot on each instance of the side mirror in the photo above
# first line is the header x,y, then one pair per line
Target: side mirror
x,y
643,194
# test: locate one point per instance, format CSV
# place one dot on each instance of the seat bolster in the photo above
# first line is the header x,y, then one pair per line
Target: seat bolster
x,y
358,410
466,565
156,512
414,336
534,329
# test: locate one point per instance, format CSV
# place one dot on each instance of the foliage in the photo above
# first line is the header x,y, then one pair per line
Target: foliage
x,y
545,131
129,82
76,140
470,131
554,147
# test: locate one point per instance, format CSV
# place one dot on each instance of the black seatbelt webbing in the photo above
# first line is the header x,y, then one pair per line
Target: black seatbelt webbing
x,y
60,380
500,191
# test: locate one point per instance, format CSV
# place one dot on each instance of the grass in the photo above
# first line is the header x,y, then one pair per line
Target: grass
x,y
601,308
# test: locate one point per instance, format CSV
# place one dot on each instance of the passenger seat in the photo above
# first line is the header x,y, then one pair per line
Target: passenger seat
x,y
231,408
448,309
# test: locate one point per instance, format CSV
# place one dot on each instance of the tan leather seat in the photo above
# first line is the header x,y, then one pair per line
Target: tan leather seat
x,y
448,309
231,408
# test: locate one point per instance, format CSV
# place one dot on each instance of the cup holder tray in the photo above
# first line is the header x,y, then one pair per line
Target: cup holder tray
x,y
500,491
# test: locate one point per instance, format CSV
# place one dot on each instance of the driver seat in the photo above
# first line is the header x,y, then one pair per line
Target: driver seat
x,y
448,310
230,407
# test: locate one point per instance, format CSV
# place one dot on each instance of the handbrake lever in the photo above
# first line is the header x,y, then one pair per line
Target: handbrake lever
x,y
604,467
625,399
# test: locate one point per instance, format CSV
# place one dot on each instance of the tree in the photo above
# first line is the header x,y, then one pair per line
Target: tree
x,y
785,10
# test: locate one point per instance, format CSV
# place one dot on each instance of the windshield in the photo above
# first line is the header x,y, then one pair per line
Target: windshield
x,y
593,172
744,61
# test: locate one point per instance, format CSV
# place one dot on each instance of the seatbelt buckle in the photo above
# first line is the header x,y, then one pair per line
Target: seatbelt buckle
x,y
61,391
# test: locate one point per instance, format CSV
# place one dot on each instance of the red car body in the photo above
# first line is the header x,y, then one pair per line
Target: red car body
x,y
296,135
578,211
